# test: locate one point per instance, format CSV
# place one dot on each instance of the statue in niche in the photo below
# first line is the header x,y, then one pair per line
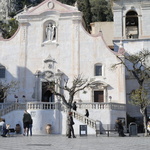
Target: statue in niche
x,y
50,32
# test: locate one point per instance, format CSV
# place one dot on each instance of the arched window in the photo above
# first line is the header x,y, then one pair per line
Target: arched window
x,y
132,27
98,70
2,71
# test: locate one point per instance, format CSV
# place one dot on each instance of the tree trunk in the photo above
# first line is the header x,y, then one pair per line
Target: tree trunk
x,y
144,121
67,128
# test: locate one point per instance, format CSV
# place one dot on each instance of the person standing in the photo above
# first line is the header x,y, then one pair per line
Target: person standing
x,y
119,127
148,127
74,107
30,127
26,122
86,113
70,126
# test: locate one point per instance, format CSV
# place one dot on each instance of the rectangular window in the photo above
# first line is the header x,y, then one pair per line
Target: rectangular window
x,y
98,70
2,72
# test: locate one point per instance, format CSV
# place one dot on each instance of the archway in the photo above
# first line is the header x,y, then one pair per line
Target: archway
x,y
47,95
132,26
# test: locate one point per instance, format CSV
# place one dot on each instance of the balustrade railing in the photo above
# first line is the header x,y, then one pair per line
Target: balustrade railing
x,y
43,105
8,108
88,121
113,106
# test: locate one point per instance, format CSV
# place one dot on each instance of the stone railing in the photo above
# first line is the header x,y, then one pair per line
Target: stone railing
x,y
113,106
88,121
11,107
43,105
8,107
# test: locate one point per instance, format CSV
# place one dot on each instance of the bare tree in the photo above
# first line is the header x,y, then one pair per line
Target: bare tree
x,y
78,84
6,88
140,69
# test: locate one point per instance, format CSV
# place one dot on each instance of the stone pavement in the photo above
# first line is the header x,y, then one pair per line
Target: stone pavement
x,y
59,142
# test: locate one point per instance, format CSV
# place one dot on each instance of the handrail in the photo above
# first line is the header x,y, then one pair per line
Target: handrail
x,y
86,120
11,107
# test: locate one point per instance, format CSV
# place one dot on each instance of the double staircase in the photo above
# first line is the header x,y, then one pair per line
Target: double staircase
x,y
7,108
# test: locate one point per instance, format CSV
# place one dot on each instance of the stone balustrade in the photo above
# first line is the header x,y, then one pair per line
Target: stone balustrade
x,y
113,106
8,107
88,121
43,105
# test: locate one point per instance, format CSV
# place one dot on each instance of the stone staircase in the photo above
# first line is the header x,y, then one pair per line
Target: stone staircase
x,y
7,108
86,120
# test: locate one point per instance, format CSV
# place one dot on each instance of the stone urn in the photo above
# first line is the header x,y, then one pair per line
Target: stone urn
x,y
48,128
18,128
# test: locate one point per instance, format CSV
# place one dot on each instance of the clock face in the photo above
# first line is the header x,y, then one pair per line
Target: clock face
x,y
48,74
51,5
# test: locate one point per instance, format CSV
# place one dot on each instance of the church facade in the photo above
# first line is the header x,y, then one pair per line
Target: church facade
x,y
52,40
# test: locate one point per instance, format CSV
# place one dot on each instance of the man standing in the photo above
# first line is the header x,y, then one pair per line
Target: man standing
x,y
70,126
26,122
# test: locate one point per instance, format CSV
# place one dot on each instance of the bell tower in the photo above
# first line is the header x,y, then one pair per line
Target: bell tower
x,y
131,19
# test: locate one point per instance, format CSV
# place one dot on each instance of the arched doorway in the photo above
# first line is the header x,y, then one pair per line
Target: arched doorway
x,y
47,95
132,26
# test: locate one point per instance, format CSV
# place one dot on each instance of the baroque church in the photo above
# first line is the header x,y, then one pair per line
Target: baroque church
x,y
52,40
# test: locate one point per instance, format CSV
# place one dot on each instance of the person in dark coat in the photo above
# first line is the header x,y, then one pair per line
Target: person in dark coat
x,y
70,126
74,107
26,122
119,128
86,113
30,127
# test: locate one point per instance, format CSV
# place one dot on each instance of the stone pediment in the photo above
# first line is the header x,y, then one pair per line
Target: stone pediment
x,y
49,6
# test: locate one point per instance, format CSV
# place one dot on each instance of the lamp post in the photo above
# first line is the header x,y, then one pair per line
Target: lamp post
x,y
110,98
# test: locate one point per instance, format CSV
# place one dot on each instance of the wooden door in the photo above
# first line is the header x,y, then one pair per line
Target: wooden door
x,y
98,96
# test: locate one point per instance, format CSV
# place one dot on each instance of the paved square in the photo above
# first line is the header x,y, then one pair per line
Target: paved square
x,y
59,142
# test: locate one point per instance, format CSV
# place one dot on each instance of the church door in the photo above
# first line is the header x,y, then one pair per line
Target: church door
x,y
98,96
47,95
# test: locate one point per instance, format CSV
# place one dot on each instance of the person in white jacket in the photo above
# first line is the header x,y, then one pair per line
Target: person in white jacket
x,y
4,130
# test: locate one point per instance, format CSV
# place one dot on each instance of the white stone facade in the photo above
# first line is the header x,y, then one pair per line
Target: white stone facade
x,y
131,26
69,50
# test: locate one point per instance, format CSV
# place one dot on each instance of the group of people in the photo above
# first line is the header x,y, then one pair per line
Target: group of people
x,y
27,125
74,107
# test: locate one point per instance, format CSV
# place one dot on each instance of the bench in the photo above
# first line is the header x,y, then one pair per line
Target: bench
x,y
111,130
11,131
